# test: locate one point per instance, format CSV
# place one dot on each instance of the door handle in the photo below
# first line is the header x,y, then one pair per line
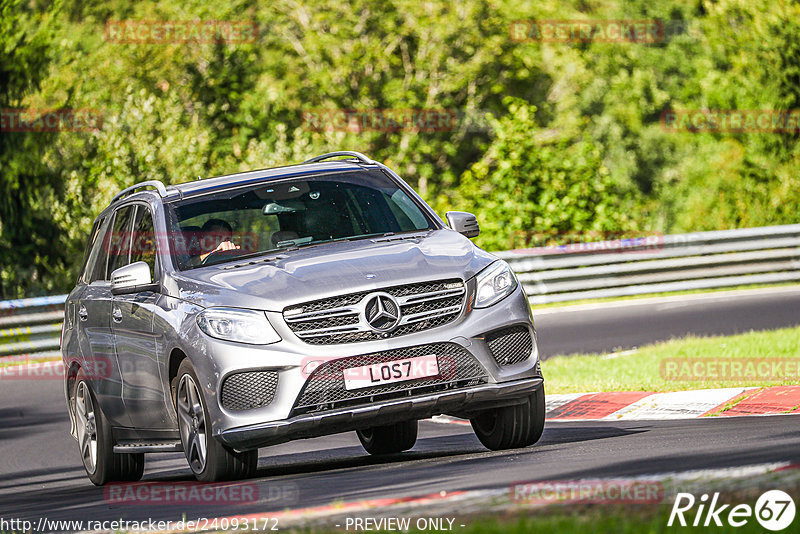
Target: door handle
x,y
116,314
82,313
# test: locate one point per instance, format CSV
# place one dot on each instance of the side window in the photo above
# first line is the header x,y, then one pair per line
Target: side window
x,y
94,253
119,242
143,244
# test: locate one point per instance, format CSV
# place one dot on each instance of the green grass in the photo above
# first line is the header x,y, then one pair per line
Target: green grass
x,y
600,519
660,367
535,307
633,519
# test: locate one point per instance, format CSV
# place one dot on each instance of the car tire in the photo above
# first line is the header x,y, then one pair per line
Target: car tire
x,y
511,427
208,458
389,439
96,443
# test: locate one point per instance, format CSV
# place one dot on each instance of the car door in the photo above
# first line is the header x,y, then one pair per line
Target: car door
x,y
92,320
134,339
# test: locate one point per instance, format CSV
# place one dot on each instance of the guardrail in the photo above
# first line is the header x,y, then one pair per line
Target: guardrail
x,y
29,326
656,264
617,268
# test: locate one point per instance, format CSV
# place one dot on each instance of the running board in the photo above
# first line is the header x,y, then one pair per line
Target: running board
x,y
154,446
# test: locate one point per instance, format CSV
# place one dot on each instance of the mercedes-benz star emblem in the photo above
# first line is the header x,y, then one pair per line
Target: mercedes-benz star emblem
x,y
382,312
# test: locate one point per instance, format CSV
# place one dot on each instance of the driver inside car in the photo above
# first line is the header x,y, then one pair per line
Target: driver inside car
x,y
217,236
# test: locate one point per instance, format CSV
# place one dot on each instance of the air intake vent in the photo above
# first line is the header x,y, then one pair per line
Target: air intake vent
x,y
245,391
510,345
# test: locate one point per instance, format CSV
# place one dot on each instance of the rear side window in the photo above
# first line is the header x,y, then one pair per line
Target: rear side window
x,y
95,254
119,242
143,244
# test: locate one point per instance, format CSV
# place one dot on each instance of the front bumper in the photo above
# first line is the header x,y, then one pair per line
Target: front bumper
x,y
460,402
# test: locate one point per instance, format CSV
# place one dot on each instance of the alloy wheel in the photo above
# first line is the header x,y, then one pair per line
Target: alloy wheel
x,y
192,422
86,427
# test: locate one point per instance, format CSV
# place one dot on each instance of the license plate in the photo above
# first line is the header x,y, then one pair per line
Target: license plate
x,y
387,373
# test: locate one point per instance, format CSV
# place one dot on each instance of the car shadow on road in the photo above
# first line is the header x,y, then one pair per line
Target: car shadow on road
x,y
559,433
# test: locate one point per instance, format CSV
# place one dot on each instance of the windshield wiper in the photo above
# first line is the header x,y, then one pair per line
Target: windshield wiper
x,y
391,236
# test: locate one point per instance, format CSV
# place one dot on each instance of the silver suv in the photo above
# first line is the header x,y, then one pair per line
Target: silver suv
x,y
227,314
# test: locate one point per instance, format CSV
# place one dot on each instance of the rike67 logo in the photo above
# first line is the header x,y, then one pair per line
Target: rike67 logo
x,y
774,510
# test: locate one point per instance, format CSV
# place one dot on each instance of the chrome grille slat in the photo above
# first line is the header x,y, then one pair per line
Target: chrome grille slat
x,y
327,331
413,299
421,316
339,319
316,315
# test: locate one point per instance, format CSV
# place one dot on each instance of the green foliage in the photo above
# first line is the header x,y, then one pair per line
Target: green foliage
x,y
531,180
30,258
572,141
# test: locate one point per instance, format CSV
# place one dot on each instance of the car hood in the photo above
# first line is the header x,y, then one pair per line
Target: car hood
x,y
331,269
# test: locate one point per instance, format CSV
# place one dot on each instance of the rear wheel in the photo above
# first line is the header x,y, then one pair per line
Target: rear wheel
x,y
389,439
209,459
511,427
96,443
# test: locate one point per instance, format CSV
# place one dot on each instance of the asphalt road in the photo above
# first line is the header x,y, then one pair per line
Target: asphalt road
x,y
41,474
617,326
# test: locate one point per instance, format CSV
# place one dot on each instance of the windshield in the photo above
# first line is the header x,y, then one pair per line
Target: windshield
x,y
246,222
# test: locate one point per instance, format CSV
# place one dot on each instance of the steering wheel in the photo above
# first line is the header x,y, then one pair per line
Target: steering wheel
x,y
215,251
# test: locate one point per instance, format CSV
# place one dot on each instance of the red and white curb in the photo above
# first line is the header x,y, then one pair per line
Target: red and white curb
x,y
644,405
634,405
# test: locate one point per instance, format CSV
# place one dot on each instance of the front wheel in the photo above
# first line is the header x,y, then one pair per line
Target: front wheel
x,y
389,439
209,459
96,443
511,427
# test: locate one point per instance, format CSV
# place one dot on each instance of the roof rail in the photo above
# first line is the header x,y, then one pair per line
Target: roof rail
x,y
149,183
357,155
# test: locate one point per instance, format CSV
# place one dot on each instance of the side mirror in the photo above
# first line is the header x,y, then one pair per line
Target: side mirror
x,y
463,223
133,278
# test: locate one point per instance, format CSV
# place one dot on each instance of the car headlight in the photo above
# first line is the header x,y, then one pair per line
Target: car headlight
x,y
494,284
236,324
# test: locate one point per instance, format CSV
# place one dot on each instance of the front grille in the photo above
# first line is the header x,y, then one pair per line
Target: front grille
x,y
510,345
325,389
341,319
245,391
